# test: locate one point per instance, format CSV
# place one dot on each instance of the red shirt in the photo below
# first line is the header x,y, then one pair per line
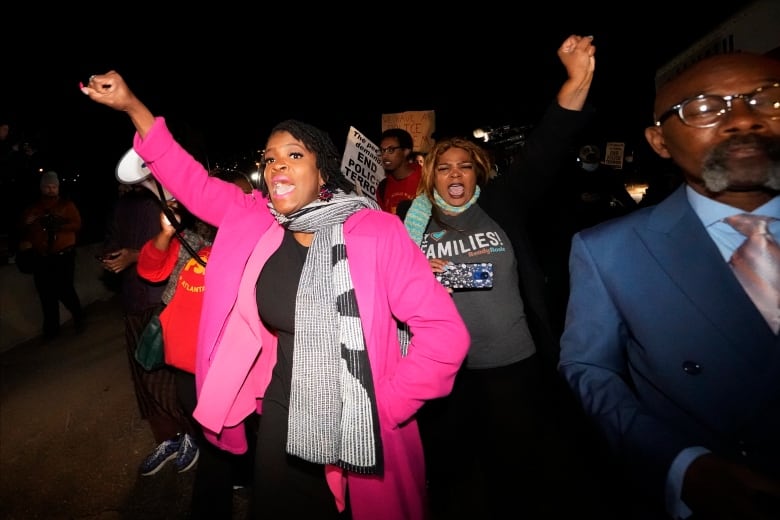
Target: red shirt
x,y
181,317
396,191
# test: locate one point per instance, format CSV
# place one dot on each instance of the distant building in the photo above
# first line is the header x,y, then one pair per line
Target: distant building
x,y
753,29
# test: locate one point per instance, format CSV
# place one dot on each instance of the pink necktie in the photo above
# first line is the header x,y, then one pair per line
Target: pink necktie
x,y
756,264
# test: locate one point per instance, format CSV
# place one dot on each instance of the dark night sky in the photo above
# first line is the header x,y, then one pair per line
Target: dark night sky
x,y
224,78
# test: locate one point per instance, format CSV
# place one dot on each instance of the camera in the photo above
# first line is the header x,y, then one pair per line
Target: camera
x,y
50,223
477,275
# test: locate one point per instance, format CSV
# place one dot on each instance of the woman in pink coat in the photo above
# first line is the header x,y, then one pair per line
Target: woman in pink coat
x,y
306,285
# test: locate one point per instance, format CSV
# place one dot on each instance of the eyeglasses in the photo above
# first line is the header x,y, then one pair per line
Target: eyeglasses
x,y
705,111
389,149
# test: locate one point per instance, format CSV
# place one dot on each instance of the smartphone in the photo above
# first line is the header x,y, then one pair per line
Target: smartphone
x,y
478,275
103,258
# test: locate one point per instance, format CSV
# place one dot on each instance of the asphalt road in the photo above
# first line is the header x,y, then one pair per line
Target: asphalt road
x,y
71,437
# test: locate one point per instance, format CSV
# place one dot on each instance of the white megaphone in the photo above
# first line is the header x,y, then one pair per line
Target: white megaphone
x,y
133,170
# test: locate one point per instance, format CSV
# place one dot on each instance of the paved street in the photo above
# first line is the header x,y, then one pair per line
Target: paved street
x,y
71,437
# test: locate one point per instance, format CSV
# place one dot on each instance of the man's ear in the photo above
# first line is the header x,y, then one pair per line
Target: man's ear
x,y
655,137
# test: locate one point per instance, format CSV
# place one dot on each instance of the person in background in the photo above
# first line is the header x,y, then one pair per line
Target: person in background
x,y
402,175
598,192
417,157
135,220
590,192
663,346
7,145
164,258
50,228
305,286
9,213
495,445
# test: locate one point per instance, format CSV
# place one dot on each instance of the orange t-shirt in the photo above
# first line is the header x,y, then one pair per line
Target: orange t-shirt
x,y
396,191
180,319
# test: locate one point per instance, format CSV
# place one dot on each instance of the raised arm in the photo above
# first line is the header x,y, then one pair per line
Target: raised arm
x,y
177,170
578,55
111,90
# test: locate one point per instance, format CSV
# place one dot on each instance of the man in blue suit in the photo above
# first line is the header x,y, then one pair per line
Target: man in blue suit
x,y
662,345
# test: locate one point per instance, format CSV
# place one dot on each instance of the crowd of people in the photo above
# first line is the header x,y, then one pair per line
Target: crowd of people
x,y
623,368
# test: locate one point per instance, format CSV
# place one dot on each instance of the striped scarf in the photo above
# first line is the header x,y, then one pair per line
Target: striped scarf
x,y
333,417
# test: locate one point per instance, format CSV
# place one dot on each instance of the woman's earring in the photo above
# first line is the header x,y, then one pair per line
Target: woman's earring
x,y
325,194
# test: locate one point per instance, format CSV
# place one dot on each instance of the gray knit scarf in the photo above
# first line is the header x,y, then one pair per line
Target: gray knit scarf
x,y
333,417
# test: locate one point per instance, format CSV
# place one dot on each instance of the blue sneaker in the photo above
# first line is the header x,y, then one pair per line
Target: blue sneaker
x,y
187,455
166,451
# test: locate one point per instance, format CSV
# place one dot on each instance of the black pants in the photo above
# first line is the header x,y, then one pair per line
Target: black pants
x,y
54,282
482,444
155,390
217,470
286,486
510,442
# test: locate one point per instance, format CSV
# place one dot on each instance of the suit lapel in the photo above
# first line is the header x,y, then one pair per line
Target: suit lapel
x,y
684,250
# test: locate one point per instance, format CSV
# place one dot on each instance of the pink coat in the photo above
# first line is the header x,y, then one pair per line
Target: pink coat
x,y
236,353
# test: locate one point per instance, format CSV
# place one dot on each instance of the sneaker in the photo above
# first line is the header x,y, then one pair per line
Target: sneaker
x,y
187,455
166,451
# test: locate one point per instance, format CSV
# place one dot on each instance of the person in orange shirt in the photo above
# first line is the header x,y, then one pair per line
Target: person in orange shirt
x,y
49,227
164,257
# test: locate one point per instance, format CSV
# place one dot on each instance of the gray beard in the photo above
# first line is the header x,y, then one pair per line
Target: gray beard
x,y
718,175
718,178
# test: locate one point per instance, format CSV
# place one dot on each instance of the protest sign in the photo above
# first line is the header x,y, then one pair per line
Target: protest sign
x,y
614,155
362,163
421,124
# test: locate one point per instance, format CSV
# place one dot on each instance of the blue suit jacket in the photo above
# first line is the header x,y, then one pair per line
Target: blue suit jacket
x,y
664,348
